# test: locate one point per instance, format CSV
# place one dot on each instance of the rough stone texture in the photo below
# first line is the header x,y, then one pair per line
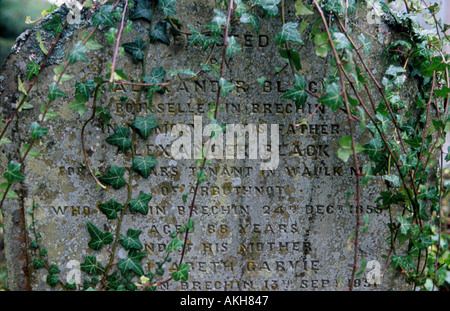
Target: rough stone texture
x,y
284,229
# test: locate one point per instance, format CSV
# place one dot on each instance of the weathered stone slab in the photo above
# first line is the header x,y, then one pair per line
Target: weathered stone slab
x,y
280,229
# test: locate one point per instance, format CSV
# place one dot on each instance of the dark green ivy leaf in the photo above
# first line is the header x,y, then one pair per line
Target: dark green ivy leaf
x,y
167,7
156,77
33,69
90,266
297,93
52,280
136,48
133,264
77,54
54,24
145,125
54,92
110,208
104,16
98,238
37,131
335,6
13,172
159,33
332,97
142,10
120,138
85,88
38,263
182,273
131,241
141,203
53,269
196,37
144,165
114,177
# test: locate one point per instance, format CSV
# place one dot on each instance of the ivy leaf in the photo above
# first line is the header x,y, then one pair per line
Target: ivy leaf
x,y
225,87
13,173
54,92
33,69
288,33
405,224
136,48
78,104
127,264
322,43
182,273
157,76
219,20
270,6
54,24
297,93
120,138
37,131
291,56
131,241
144,165
394,179
110,35
98,238
77,54
196,37
41,43
110,208
334,5
341,41
159,33
167,7
52,280
92,45
366,44
302,9
142,10
141,203
252,19
232,46
145,125
104,17
85,88
175,244
114,177
90,266
394,70
333,97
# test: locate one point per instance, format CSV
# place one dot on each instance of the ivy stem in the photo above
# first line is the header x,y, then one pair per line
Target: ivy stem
x,y
116,51
130,177
355,157
191,210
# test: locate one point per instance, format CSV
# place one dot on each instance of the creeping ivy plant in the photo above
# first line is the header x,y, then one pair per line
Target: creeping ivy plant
x,y
405,135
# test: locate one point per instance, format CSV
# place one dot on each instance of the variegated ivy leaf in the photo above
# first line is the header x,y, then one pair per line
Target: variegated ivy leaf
x,y
77,54
167,7
232,46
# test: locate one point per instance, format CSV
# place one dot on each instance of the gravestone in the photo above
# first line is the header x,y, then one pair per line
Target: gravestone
x,y
257,226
